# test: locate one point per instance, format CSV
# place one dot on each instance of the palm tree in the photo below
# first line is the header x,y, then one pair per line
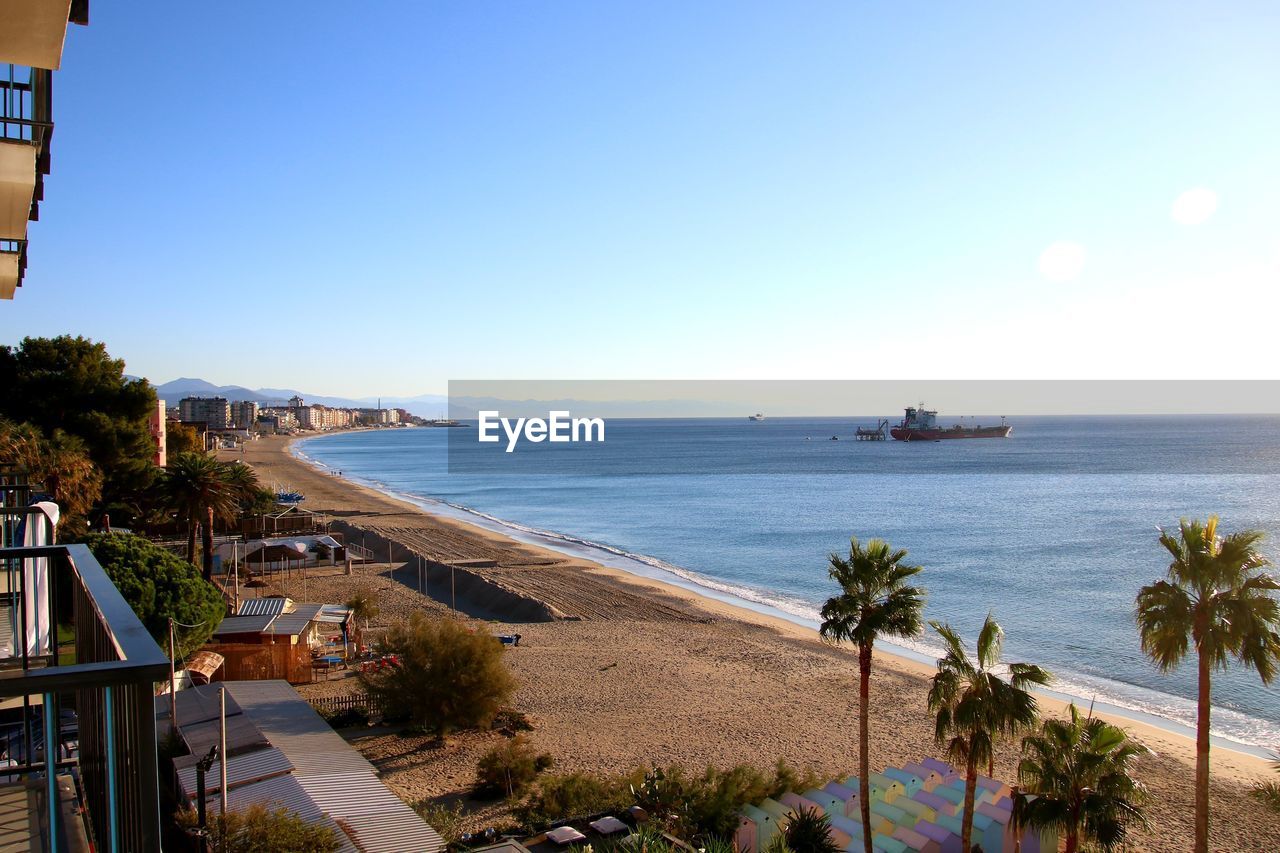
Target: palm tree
x,y
242,481
1078,773
195,485
874,601
973,705
363,607
1218,598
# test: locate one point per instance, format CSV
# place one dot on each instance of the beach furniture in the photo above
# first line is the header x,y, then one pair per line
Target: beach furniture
x,y
915,808
915,841
909,781
930,778
608,825
764,825
884,788
938,804
947,841
564,835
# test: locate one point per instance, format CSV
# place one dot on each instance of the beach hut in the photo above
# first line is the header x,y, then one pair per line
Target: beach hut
x,y
889,844
847,826
947,841
938,804
986,831
766,827
830,804
942,768
998,790
931,778
885,789
744,837
951,794
796,804
980,794
916,841
892,814
848,795
915,808
777,810
909,781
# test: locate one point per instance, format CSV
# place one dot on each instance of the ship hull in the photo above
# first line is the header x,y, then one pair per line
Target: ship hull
x,y
912,434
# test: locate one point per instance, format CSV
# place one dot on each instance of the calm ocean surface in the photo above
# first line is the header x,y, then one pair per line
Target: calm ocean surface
x,y
1054,529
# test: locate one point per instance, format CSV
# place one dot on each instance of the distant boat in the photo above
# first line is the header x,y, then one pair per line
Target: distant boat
x,y
921,424
756,417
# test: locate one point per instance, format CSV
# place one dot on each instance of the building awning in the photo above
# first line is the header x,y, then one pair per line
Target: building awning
x,y
32,32
17,185
202,665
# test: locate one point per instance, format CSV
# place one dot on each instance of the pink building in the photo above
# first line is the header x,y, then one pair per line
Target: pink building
x,y
158,433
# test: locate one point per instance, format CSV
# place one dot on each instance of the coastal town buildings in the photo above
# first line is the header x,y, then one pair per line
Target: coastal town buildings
x,y
214,411
244,414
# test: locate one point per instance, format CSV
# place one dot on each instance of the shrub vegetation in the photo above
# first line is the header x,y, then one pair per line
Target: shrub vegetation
x,y
449,677
509,768
158,585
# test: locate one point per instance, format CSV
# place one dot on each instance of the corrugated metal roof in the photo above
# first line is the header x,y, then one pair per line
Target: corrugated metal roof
x,y
296,622
243,769
244,624
383,833
295,728
263,606
337,779
282,792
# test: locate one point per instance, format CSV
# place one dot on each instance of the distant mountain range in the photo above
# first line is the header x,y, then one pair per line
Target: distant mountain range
x,y
423,405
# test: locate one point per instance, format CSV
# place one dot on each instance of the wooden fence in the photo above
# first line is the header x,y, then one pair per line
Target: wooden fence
x,y
258,661
338,704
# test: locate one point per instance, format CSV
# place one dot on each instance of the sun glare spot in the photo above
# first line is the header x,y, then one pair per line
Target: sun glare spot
x,y
1062,261
1194,206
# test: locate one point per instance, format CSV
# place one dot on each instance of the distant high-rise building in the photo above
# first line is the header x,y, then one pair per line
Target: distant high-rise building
x,y
214,411
244,413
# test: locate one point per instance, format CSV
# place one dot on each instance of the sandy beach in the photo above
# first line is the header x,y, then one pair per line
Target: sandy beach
x,y
617,670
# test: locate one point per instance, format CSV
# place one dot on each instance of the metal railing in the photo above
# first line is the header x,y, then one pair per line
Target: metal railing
x,y
26,115
107,676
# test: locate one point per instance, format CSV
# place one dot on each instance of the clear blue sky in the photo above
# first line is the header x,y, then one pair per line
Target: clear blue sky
x,y
375,198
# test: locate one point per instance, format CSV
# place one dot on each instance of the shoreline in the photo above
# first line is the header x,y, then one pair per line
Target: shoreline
x,y
628,670
727,604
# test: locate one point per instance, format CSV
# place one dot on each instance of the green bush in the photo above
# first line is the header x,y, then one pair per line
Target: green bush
x,y
509,768
258,829
449,677
158,585
443,819
571,795
809,831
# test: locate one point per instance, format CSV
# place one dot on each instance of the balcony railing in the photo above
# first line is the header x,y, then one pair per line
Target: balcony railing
x,y
78,687
26,116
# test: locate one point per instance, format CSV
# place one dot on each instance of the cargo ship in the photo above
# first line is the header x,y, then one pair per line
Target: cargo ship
x,y
921,424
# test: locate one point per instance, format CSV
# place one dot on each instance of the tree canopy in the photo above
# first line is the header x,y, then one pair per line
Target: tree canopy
x,y
160,585
61,463
72,384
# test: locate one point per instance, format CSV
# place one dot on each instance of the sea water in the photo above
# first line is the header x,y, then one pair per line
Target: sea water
x,y
1054,530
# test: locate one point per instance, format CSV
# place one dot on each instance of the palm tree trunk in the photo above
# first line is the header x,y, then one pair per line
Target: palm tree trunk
x,y
192,524
970,789
206,541
1202,758
864,758
1073,841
